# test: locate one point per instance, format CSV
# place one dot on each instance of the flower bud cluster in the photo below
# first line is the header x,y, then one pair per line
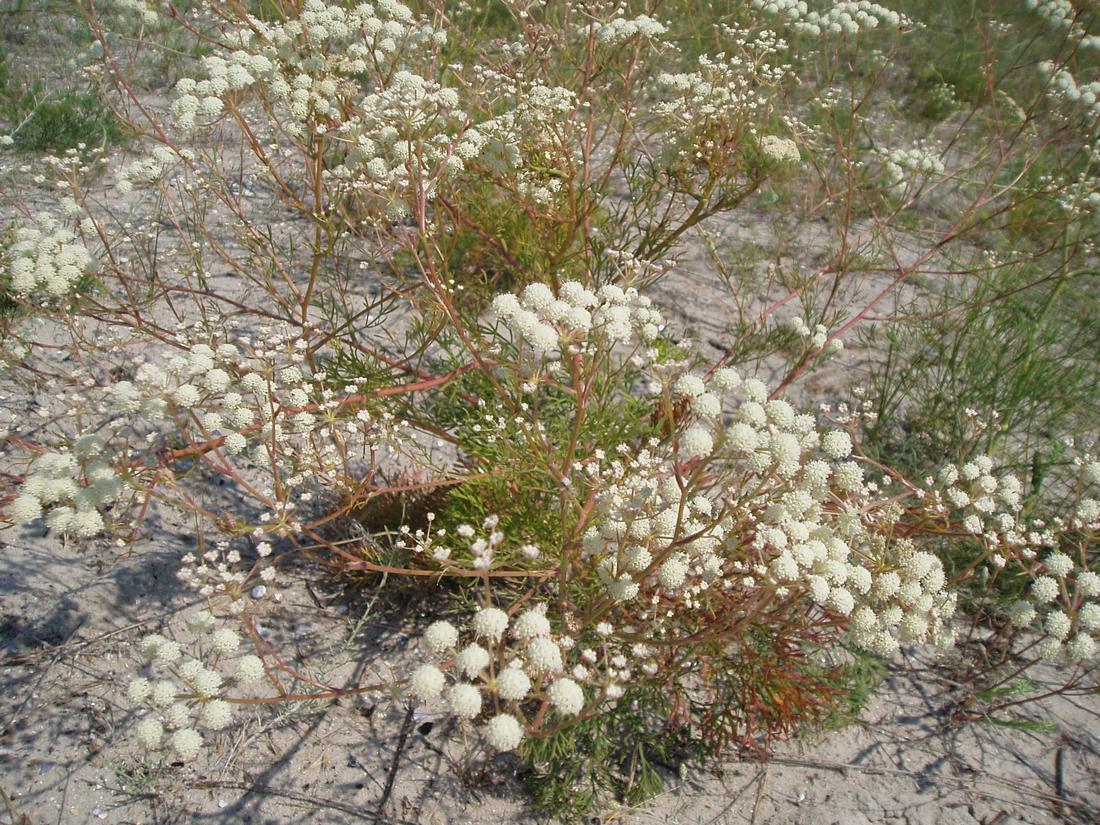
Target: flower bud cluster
x,y
134,11
69,488
148,170
480,552
849,17
551,327
181,695
817,338
1063,86
1079,195
779,149
312,65
1061,16
618,30
910,169
45,260
1061,604
506,666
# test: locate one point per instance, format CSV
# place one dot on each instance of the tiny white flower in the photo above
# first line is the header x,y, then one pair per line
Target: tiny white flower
x,y
440,637
836,444
472,660
216,714
490,623
139,690
544,655
512,684
224,641
566,696
1044,589
529,624
427,682
149,733
504,732
187,743
250,669
464,700
696,442
1088,584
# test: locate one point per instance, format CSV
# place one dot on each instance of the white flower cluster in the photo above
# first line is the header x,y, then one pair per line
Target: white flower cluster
x,y
817,338
988,507
46,259
848,17
403,133
720,105
1064,86
779,149
1063,600
790,488
723,88
184,694
482,551
910,169
148,170
218,572
907,602
1063,607
412,131
530,141
259,404
135,11
183,382
577,319
523,661
649,536
1061,16
310,65
69,488
1080,195
619,29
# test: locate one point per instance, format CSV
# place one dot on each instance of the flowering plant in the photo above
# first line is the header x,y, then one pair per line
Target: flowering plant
x,y
449,297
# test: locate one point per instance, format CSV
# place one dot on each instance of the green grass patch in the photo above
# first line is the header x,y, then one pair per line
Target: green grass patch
x,y
42,119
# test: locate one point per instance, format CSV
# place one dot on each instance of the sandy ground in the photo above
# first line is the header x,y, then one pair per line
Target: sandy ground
x,y
70,618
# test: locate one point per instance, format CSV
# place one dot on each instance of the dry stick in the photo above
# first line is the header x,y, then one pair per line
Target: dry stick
x,y
1060,774
406,728
17,818
267,790
844,767
24,658
759,795
737,796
